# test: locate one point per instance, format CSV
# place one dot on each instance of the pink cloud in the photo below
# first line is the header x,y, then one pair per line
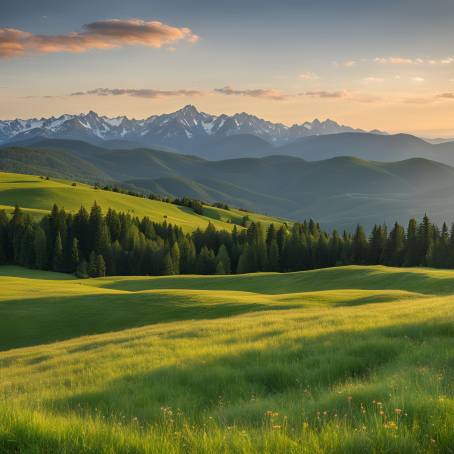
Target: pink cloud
x,y
138,92
265,93
105,34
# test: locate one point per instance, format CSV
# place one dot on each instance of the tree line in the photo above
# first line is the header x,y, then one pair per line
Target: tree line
x,y
92,244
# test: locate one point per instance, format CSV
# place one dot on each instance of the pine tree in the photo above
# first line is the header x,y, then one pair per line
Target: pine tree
x,y
75,256
188,256
206,262
4,243
167,264
40,248
223,257
394,254
359,246
411,248
176,256
273,256
425,241
82,270
99,233
100,266
57,259
377,244
92,269
246,263
220,268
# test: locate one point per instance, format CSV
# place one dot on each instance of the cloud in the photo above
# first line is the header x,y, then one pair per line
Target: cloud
x,y
263,93
446,95
138,93
345,64
106,34
343,95
12,42
308,76
418,80
373,80
397,61
327,94
413,61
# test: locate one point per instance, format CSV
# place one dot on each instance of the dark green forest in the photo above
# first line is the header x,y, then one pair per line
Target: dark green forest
x,y
93,244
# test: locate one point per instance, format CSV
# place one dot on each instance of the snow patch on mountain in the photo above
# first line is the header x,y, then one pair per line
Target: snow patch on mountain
x,y
177,129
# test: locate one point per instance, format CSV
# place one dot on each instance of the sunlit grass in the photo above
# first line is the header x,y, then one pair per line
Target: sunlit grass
x,y
304,362
36,196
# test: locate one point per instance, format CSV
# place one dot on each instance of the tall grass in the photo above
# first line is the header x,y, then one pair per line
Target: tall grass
x,y
226,369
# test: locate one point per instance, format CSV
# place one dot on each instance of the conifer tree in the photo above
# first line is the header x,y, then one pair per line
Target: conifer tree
x,y
359,246
75,256
412,248
273,256
82,269
100,266
223,257
57,259
167,264
176,256
394,254
40,248
92,269
220,268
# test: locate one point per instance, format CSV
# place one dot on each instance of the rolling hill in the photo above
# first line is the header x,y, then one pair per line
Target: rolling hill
x,y
375,147
354,359
339,192
37,195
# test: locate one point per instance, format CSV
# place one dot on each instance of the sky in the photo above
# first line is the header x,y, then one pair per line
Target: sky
x,y
385,65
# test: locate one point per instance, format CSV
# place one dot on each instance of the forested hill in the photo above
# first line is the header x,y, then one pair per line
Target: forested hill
x,y
339,192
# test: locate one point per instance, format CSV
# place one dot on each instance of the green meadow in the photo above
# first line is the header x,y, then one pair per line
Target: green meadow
x,y
342,360
36,196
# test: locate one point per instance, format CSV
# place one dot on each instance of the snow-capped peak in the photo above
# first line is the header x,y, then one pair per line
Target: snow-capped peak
x,y
173,129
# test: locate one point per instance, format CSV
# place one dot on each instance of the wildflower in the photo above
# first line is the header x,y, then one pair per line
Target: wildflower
x,y
391,425
349,398
398,411
276,426
305,425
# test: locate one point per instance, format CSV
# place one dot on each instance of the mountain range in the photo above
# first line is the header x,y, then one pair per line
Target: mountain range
x,y
185,130
339,192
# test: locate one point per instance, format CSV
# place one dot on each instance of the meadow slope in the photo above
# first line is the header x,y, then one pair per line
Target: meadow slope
x,y
351,359
37,195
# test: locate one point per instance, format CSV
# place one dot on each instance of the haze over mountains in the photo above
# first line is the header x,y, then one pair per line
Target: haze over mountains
x,y
339,192
335,174
225,137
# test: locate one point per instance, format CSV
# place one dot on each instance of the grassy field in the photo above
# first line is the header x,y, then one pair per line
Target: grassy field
x,y
352,359
37,195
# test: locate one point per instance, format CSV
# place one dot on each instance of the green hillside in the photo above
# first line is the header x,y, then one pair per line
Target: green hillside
x,y
37,195
352,359
338,192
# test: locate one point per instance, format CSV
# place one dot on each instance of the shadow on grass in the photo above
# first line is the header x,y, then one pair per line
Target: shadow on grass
x,y
360,278
28,322
231,386
25,323
27,273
